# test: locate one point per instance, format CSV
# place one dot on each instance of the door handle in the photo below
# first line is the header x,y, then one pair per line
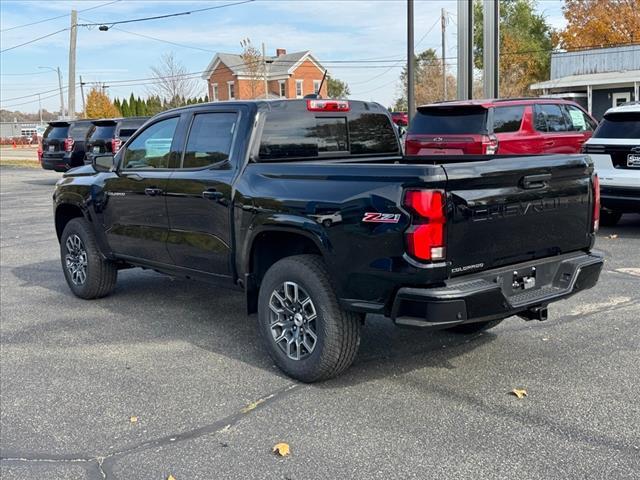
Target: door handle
x,y
549,143
152,191
530,182
212,194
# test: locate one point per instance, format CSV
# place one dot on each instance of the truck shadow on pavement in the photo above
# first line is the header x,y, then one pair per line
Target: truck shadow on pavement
x,y
151,307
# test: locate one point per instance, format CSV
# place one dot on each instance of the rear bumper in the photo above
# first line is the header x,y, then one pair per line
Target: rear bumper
x,y
59,163
491,294
626,199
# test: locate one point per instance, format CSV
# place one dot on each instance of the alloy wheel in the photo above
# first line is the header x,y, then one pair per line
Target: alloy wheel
x,y
76,259
293,319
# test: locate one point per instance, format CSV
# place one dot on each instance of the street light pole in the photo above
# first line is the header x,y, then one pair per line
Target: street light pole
x,y
57,70
72,64
411,107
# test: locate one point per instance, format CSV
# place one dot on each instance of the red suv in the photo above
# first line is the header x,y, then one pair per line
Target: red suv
x,y
509,126
400,118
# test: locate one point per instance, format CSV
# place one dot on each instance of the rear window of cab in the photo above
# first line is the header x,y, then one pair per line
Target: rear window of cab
x,y
300,134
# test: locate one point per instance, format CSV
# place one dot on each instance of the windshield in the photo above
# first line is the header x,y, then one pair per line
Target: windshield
x,y
449,120
619,125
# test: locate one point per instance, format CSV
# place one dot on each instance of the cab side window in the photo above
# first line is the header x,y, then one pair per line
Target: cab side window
x,y
210,139
152,148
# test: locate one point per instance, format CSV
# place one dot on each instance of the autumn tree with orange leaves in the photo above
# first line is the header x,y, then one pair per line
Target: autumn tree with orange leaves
x,y
99,105
525,45
599,23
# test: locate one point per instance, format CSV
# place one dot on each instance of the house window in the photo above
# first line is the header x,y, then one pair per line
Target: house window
x,y
231,90
282,89
316,86
299,90
215,92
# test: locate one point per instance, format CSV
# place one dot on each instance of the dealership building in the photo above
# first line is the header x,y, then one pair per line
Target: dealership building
x,y
598,79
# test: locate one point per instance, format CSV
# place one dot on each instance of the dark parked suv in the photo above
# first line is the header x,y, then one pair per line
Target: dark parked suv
x,y
63,144
109,134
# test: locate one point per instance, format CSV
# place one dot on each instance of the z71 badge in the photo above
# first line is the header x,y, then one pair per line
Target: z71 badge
x,y
374,217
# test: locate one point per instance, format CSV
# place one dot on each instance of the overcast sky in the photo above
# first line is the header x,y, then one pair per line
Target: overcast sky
x,y
345,30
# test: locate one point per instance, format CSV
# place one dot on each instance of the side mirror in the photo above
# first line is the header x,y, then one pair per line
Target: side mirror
x,y
102,163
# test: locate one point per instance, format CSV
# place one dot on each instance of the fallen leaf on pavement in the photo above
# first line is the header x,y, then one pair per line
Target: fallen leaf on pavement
x,y
281,449
171,477
613,236
133,419
519,392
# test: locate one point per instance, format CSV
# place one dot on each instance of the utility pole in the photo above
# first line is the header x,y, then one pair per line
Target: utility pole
x,y
411,107
61,94
465,50
84,106
40,109
73,35
264,71
443,24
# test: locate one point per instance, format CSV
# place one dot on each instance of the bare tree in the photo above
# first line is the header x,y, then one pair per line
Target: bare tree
x,y
253,66
172,82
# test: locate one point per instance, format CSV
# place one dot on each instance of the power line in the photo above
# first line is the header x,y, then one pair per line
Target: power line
x,y
57,17
22,74
34,40
158,17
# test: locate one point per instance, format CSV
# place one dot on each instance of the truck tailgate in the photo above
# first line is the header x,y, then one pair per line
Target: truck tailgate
x,y
507,210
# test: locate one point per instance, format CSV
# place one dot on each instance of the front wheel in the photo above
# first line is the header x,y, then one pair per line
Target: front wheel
x,y
307,334
88,274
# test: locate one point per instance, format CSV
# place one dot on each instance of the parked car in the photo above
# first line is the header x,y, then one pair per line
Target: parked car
x,y
510,126
400,118
63,144
108,134
615,150
309,207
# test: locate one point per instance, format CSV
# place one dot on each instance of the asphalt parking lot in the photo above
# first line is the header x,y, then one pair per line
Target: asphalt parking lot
x,y
185,360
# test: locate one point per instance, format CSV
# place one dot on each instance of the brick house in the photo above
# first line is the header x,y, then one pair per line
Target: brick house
x,y
289,75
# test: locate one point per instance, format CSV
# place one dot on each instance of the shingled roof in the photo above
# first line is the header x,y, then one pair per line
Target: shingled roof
x,y
276,66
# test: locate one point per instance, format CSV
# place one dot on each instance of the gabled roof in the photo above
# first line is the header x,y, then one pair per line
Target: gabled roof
x,y
276,66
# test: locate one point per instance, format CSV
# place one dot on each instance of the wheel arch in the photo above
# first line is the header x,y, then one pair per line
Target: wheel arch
x,y
65,212
269,246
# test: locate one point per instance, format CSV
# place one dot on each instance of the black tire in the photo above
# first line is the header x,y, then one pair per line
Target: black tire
x,y
609,218
469,328
337,331
100,274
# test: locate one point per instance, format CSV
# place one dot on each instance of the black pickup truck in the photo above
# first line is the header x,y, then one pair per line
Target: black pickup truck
x,y
310,208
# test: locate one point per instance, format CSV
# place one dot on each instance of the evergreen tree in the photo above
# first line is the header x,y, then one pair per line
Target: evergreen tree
x,y
133,107
124,108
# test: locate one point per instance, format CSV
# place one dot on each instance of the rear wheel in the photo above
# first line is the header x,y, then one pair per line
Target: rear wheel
x,y
609,218
469,328
88,274
306,332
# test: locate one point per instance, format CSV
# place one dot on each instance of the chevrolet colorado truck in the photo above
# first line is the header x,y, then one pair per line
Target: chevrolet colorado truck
x,y
309,207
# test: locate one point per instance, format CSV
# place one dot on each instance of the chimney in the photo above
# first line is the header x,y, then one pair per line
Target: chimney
x,y
280,52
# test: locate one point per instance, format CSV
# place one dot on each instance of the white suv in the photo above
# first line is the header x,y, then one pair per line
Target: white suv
x,y
615,150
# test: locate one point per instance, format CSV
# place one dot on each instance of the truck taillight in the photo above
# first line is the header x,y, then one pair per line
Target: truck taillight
x,y
425,236
68,144
596,202
328,105
116,143
490,145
